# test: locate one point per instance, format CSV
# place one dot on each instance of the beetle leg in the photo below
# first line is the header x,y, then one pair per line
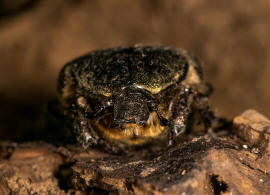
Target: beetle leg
x,y
85,135
98,110
180,112
210,119
206,114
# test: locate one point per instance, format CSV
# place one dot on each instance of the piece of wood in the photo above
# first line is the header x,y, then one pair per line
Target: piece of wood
x,y
204,165
254,128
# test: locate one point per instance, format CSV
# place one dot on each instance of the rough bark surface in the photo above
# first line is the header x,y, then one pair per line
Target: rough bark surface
x,y
236,163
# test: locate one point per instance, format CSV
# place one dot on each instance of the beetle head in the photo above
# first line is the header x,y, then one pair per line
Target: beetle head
x,y
131,105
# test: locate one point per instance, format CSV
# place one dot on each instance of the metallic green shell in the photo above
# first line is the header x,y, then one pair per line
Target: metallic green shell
x,y
104,72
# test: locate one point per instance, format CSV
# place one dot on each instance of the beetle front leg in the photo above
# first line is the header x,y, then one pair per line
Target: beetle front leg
x,y
180,113
85,135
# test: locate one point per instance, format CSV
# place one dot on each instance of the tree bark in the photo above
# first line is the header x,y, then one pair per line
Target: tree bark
x,y
238,163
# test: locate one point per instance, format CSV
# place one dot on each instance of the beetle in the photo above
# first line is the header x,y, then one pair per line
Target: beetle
x,y
128,96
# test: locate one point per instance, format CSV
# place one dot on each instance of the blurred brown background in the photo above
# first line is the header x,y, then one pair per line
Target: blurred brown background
x,y
231,39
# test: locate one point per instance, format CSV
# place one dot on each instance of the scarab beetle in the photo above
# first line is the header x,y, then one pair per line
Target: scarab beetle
x,y
132,95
